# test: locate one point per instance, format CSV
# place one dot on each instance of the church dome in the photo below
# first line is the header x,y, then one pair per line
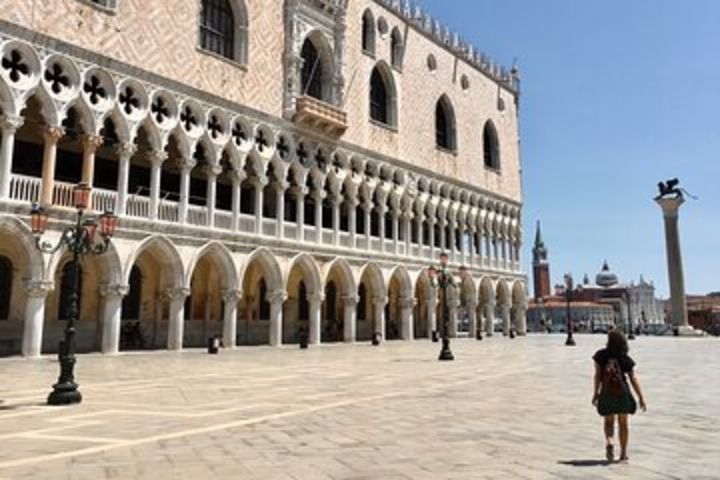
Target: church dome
x,y
606,278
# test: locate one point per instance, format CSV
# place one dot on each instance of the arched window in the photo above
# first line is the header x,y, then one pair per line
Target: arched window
x,y
6,280
311,70
264,310
445,125
131,302
491,146
223,28
397,48
66,290
383,106
368,33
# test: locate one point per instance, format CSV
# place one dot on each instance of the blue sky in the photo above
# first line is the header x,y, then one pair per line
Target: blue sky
x,y
617,95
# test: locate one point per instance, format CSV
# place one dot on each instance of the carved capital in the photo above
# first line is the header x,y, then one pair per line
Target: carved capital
x,y
10,123
53,134
114,291
157,157
126,150
231,296
91,142
315,297
176,294
350,300
407,302
276,297
380,301
38,289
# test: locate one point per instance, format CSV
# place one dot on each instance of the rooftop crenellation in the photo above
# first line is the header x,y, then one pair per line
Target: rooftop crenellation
x,y
423,21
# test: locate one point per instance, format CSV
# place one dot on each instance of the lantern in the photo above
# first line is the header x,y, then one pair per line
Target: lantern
x,y
108,222
81,196
38,219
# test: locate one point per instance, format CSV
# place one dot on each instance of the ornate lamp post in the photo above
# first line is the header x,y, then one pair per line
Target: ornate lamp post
x,y
570,342
444,279
80,239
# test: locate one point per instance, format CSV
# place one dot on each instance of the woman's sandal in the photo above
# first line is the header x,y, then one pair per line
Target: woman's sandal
x,y
624,458
609,453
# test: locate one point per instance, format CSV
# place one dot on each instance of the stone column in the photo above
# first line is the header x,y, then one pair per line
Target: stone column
x,y
379,314
419,220
157,158
471,253
280,188
230,300
276,299
318,195
505,309
300,193
52,135
112,313
453,243
521,325
350,318
406,319
407,228
185,170
670,208
352,221
489,318
125,151
259,184
432,310
9,124
176,322
237,179
431,230
382,210
212,173
90,145
37,292
488,251
443,224
314,299
367,206
471,308
395,230
479,240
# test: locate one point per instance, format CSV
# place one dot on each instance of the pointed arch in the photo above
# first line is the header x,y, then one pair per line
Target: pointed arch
x,y
383,95
402,276
491,146
318,68
445,128
224,29
221,258
21,236
374,276
269,265
397,48
165,253
310,270
343,267
368,32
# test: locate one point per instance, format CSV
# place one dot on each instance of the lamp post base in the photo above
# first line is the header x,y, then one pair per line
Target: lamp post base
x,y
570,342
65,393
446,354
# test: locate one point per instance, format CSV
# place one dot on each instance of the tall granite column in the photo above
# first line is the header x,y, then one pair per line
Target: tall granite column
x,y
670,208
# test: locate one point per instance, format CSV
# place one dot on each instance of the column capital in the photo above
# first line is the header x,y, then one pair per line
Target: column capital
x,y
352,202
238,176
114,291
11,123
177,293
53,134
38,288
670,205
299,191
212,170
407,302
380,300
157,157
91,142
259,181
315,297
350,300
186,164
231,296
281,186
126,149
278,296
319,194
367,205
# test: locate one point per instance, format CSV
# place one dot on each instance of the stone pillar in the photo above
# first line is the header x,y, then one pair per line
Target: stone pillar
x,y
521,325
443,224
230,300
489,318
367,206
352,220
185,170
471,253
379,315
471,308
314,300
505,309
406,319
382,210
318,195
276,299
407,228
300,193
125,151
259,184
280,188
453,244
157,158
90,145
431,221
212,173
336,201
176,322
52,135
670,208
395,214
37,292
479,240
237,178
432,310
9,124
350,318
112,313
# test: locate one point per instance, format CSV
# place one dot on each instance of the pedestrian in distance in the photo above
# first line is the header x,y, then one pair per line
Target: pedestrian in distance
x,y
614,374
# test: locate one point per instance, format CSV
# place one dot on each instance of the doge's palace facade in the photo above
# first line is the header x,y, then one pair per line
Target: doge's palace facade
x,y
278,167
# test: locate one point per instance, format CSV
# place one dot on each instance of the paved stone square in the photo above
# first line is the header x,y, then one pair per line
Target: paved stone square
x,y
502,409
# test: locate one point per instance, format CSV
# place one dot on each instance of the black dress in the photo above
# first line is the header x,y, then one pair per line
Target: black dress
x,y
609,404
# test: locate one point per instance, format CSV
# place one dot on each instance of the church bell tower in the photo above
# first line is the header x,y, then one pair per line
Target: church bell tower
x,y
541,267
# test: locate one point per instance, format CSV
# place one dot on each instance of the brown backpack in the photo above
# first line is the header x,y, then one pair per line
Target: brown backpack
x,y
613,381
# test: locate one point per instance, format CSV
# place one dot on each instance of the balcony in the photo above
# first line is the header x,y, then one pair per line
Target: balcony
x,y
318,115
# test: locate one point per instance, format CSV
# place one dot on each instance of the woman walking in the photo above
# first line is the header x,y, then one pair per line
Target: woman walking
x,y
611,392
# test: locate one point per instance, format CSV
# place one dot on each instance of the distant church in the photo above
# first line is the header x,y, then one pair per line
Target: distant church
x,y
592,307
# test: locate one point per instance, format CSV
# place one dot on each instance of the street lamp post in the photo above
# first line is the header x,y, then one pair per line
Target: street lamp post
x,y
570,341
81,240
444,279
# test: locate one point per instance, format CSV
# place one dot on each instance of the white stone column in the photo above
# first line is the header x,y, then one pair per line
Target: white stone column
x,y
259,184
336,201
276,299
395,224
352,221
300,193
432,310
407,228
318,195
212,173
431,230
505,309
185,169
314,300
112,313
9,124
36,292
670,208
406,319
379,314
419,220
521,325
237,179
382,210
280,188
367,206
453,244
157,158
90,144
443,225
176,322
125,151
230,300
52,135
350,318
471,309
489,318
471,253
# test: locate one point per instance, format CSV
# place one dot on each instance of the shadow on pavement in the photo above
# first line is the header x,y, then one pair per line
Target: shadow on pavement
x,y
585,463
